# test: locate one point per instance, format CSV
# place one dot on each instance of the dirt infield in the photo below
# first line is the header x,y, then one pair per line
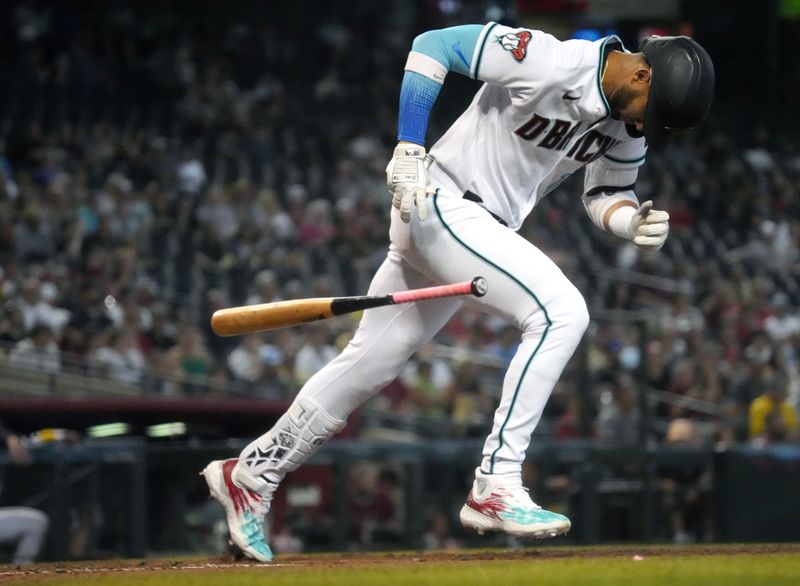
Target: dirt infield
x,y
11,573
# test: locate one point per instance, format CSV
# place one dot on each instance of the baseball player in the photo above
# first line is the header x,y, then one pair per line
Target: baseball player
x,y
23,527
546,109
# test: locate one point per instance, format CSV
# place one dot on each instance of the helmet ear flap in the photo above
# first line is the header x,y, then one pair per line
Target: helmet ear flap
x,y
681,86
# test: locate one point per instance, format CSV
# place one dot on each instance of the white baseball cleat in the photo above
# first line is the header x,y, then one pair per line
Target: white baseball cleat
x,y
499,502
245,510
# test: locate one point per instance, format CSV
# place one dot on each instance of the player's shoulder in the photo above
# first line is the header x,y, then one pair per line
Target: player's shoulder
x,y
580,53
573,52
517,39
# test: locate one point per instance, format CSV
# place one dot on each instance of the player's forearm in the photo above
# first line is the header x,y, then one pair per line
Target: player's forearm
x,y
417,97
433,55
608,195
612,212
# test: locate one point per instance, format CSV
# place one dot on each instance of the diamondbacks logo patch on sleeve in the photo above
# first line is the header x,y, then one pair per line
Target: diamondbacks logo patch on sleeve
x,y
516,44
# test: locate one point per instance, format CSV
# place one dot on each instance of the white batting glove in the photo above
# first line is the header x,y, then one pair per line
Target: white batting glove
x,y
649,227
407,178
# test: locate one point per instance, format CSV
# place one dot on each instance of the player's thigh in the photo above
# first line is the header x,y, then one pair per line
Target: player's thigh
x,y
407,325
525,286
18,521
385,339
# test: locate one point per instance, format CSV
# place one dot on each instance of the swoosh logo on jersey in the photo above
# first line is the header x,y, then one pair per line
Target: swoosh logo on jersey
x,y
569,96
458,51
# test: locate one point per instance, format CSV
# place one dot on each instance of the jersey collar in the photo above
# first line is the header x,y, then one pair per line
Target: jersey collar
x,y
604,47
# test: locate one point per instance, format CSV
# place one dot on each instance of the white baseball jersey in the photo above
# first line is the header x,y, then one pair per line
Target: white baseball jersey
x,y
540,116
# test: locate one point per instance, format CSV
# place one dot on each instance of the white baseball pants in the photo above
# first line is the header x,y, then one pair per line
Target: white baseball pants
x,y
26,528
458,241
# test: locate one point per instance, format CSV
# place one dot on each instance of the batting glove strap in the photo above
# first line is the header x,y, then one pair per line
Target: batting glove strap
x,y
407,178
649,228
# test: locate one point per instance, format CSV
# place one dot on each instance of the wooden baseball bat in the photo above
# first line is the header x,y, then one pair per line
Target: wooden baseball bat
x,y
249,319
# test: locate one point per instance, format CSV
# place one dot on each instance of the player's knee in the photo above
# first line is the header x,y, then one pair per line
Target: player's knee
x,y
571,312
42,522
581,316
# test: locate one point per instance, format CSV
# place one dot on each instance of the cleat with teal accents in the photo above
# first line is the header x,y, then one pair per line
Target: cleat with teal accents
x,y
499,502
245,510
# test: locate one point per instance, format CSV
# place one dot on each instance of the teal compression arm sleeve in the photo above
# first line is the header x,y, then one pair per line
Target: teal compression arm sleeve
x,y
452,50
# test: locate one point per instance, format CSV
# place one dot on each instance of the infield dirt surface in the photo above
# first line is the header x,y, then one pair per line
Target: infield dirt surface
x,y
752,564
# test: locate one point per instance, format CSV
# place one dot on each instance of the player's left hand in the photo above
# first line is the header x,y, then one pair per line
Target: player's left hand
x,y
649,227
407,178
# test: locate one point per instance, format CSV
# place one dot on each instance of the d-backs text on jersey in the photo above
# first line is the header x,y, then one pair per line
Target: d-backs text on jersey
x,y
560,133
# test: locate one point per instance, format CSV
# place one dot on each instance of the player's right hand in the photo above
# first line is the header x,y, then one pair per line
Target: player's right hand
x,y
407,178
649,227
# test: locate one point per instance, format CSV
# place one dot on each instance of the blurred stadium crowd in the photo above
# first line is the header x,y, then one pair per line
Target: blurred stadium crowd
x,y
156,166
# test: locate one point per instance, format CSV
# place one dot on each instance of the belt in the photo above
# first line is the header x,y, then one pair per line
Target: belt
x,y
471,196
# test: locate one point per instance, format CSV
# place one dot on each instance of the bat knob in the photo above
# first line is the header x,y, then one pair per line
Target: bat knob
x,y
479,287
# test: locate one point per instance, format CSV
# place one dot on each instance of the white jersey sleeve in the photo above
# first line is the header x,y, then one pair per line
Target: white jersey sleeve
x,y
616,170
515,58
608,195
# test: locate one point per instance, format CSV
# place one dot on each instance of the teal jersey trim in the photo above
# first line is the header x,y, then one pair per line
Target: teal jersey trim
x,y
600,62
600,75
629,161
452,47
529,292
480,53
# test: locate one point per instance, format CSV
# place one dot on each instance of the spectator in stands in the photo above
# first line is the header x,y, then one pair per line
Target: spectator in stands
x,y
505,346
266,288
30,303
162,333
618,420
12,326
189,361
775,430
428,397
682,317
245,362
439,532
259,365
783,325
570,409
760,350
214,257
218,213
317,231
38,351
373,504
120,358
685,486
470,408
772,404
34,237
683,378
273,218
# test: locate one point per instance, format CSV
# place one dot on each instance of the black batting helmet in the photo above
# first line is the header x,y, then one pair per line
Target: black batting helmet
x,y
681,86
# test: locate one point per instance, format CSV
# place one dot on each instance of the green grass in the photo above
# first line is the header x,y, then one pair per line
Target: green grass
x,y
772,569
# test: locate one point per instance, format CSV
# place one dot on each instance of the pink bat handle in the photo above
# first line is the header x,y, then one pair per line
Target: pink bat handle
x,y
477,287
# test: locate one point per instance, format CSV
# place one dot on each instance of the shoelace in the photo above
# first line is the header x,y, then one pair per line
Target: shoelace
x,y
522,498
